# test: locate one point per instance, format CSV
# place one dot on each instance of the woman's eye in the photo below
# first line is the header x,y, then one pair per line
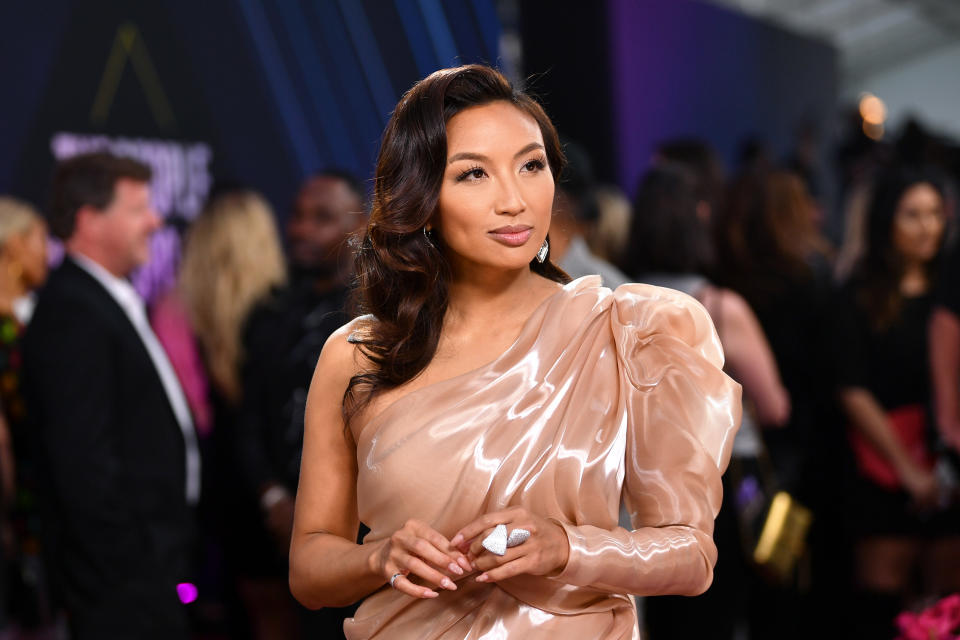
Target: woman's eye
x,y
533,165
471,174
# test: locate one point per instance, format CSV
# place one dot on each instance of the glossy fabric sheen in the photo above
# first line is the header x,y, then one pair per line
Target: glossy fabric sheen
x,y
604,395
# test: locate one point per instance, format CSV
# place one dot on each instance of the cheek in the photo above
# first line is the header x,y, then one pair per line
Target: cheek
x,y
456,213
905,234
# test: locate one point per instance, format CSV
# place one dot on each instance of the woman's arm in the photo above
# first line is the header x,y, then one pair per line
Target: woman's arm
x,y
327,568
869,418
750,359
945,366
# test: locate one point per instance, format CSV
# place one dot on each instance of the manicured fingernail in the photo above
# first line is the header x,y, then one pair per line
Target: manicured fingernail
x,y
430,594
447,583
455,568
473,566
457,539
462,560
482,577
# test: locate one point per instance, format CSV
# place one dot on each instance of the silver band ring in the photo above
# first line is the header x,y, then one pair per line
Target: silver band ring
x,y
394,577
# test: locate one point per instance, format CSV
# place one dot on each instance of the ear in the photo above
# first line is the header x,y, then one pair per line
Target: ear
x,y
13,247
87,221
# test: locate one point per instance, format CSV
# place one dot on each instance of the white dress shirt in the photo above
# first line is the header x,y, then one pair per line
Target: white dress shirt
x,y
132,304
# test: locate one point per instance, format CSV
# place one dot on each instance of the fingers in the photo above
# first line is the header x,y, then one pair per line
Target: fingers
x,y
403,584
506,570
429,548
417,550
471,533
487,560
477,548
481,525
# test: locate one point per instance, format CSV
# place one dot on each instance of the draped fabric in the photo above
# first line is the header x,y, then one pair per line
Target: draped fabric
x,y
604,396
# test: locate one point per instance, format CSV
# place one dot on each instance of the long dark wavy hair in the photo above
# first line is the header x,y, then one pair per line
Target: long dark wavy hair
x,y
402,275
878,273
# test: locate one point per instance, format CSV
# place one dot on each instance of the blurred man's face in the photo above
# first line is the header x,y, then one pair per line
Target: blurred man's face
x,y
325,212
125,226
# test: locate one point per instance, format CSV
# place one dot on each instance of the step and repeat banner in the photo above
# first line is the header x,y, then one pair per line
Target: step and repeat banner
x,y
252,93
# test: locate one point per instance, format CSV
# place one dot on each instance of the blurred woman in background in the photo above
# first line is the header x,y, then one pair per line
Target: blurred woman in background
x,y
232,259
23,268
770,251
900,519
669,246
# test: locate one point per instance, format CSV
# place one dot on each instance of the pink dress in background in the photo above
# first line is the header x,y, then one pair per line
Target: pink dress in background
x,y
604,395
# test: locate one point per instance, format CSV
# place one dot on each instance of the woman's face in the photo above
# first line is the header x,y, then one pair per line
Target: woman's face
x,y
497,192
918,223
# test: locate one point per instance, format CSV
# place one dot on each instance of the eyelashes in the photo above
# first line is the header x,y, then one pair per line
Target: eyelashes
x,y
477,172
537,164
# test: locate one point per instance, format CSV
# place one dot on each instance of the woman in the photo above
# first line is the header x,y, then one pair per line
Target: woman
x,y
770,252
23,268
899,522
669,246
232,259
482,392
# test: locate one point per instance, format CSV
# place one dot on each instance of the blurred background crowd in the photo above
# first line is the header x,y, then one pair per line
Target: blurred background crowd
x,y
792,165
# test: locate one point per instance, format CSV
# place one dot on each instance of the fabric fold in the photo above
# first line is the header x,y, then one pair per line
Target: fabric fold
x,y
604,395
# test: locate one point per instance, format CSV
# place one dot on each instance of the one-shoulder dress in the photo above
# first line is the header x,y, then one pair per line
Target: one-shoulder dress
x,y
604,396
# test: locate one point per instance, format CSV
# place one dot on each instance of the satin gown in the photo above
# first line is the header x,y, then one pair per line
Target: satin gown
x,y
605,395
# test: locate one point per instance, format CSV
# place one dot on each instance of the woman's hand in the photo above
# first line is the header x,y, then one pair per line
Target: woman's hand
x,y
419,550
921,484
546,550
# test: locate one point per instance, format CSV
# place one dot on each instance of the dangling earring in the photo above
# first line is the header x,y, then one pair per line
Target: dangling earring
x,y
542,253
426,234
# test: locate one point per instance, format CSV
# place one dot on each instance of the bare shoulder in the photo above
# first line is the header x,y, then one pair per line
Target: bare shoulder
x,y
732,305
341,358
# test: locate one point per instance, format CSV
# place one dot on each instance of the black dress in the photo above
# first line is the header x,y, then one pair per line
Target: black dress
x,y
893,365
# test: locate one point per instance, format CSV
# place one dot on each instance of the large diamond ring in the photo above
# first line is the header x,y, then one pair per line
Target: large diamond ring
x,y
394,577
498,541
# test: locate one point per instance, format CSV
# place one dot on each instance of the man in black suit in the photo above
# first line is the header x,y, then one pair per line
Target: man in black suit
x,y
116,442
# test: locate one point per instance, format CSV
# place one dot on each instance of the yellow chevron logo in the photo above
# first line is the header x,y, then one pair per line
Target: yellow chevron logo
x,y
128,45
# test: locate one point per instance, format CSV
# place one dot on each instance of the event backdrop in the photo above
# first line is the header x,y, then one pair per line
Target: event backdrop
x,y
620,76
257,93
261,93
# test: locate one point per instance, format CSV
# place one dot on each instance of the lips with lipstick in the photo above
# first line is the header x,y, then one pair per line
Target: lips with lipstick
x,y
514,235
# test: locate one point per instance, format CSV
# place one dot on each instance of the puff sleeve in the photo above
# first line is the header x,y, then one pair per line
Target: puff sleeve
x,y
682,412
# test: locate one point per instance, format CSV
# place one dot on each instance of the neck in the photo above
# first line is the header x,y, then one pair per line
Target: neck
x,y
11,288
914,280
96,254
483,293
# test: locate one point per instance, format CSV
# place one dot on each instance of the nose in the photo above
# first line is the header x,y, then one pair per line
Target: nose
x,y
510,200
931,223
153,220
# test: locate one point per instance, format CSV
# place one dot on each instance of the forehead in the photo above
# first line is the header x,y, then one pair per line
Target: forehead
x,y
326,192
127,188
921,194
487,127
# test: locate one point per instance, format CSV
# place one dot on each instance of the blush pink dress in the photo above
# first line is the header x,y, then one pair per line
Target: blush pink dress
x,y
605,396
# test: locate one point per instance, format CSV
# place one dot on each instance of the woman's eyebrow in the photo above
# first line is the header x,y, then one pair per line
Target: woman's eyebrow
x,y
468,155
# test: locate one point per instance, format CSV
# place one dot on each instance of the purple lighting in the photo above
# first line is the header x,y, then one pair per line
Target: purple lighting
x,y
187,592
